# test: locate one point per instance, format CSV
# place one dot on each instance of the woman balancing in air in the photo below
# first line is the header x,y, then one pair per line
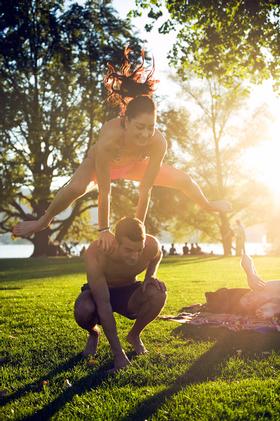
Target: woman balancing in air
x,y
129,147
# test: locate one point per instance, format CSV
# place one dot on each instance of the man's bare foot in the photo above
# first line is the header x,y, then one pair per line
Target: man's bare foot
x,y
137,344
27,228
220,206
120,361
92,342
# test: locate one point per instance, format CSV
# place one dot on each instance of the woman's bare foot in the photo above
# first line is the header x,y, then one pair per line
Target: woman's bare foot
x,y
92,342
137,344
27,228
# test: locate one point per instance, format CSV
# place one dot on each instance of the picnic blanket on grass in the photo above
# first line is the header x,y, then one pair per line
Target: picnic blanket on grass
x,y
196,315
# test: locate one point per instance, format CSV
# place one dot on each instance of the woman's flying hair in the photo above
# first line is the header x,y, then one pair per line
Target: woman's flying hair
x,y
126,84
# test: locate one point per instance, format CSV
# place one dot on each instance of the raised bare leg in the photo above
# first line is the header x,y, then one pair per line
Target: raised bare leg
x,y
77,187
179,180
248,265
254,281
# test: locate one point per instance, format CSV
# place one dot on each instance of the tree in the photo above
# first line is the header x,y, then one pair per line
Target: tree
x,y
228,39
223,44
52,62
210,144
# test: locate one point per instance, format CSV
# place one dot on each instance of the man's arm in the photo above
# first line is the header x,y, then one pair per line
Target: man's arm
x,y
99,288
156,157
152,268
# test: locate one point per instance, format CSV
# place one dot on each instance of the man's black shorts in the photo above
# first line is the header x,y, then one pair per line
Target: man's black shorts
x,y
119,298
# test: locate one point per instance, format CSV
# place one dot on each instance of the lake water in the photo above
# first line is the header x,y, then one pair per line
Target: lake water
x,y
25,250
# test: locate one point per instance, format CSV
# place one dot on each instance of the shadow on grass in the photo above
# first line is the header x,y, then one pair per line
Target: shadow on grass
x,y
185,260
40,267
43,267
208,366
35,386
84,385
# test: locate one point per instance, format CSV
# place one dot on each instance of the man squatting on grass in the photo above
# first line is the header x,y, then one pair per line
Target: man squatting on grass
x,y
112,287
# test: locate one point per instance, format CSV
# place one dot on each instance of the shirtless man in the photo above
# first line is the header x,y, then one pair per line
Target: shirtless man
x,y
112,287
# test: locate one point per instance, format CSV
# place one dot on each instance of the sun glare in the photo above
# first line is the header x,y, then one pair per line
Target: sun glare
x,y
265,160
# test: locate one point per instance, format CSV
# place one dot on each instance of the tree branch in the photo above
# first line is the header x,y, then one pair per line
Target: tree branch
x,y
19,209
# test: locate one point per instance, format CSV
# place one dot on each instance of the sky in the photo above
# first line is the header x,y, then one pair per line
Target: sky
x,y
157,45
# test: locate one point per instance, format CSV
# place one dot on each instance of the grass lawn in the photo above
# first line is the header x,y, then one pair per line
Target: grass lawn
x,y
183,377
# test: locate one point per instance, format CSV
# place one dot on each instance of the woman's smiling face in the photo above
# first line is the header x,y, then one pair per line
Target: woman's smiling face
x,y
140,129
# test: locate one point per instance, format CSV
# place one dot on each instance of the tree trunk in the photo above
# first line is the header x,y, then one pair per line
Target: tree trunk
x,y
227,235
43,246
68,222
41,243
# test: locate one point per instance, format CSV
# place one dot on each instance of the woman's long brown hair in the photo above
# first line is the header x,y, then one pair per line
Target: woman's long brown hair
x,y
126,84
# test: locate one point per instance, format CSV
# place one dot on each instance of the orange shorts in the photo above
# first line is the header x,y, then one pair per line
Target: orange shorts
x,y
167,176
121,172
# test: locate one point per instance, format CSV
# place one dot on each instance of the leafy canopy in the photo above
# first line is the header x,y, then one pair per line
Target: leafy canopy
x,y
228,39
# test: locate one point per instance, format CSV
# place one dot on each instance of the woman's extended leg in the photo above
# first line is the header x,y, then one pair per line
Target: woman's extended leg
x,y
179,180
77,187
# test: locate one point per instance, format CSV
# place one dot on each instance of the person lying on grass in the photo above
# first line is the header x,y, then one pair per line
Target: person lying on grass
x,y
264,299
112,287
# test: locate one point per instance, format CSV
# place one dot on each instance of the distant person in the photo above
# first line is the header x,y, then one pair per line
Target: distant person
x,y
192,250
82,252
172,250
198,249
113,287
185,249
229,235
240,238
164,251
